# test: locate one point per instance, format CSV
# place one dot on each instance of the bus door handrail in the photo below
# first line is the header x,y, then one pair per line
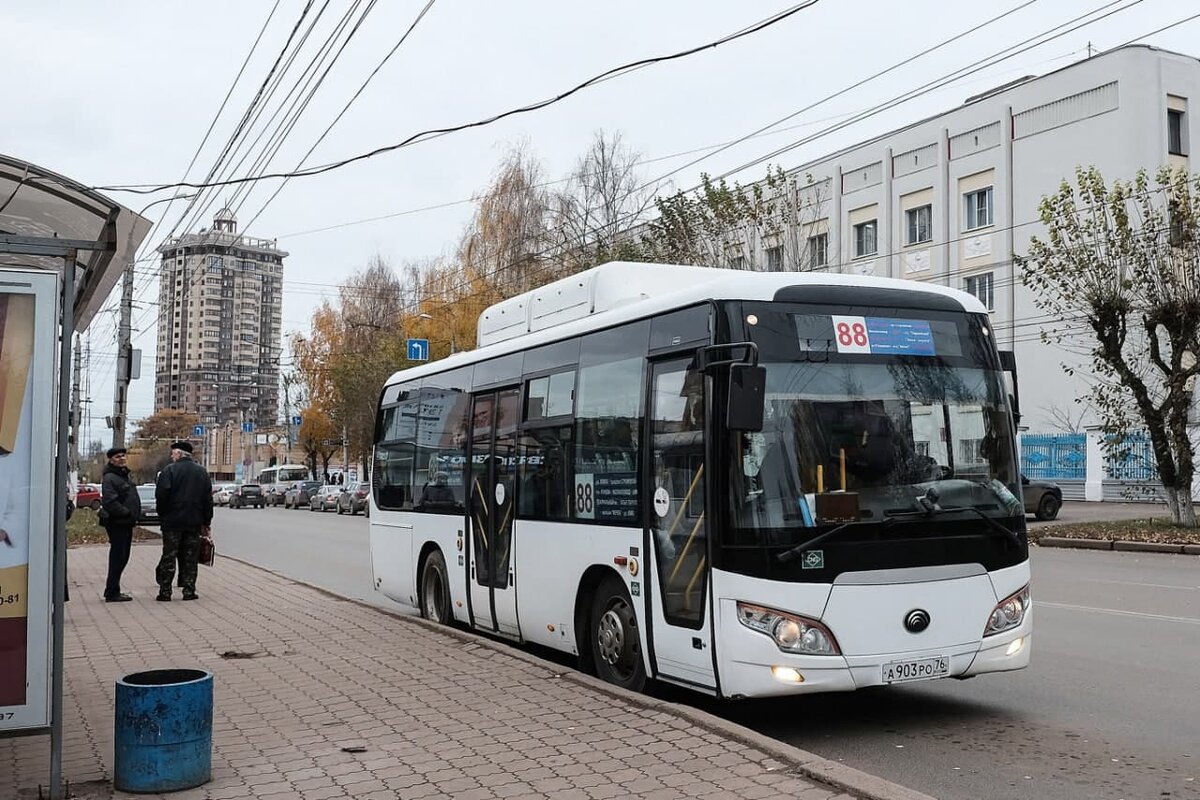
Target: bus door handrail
x,y
687,498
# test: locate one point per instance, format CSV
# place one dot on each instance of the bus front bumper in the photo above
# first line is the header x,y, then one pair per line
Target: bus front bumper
x,y
755,667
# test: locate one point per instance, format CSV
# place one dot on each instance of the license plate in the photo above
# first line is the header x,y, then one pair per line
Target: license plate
x,y
922,669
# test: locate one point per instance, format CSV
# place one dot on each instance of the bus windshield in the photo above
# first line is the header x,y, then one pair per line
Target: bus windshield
x,y
867,430
288,474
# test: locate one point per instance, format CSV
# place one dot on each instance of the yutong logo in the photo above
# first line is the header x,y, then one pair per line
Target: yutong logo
x,y
916,620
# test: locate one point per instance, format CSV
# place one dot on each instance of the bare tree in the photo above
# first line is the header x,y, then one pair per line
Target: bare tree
x,y
603,201
1064,420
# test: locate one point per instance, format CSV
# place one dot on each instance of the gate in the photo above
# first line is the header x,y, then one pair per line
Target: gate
x,y
1054,456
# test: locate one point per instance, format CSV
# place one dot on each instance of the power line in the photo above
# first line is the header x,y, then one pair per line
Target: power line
x,y
208,184
433,132
345,108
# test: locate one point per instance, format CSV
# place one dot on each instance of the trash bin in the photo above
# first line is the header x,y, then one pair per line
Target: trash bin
x,y
163,730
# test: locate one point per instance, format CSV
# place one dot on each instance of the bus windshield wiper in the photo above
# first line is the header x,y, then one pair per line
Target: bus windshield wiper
x,y
795,552
930,508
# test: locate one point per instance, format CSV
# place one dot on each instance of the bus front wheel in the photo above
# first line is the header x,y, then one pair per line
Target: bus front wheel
x,y
435,589
616,640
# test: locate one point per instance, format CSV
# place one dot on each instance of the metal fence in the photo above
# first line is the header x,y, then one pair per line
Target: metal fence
x,y
1054,456
1130,458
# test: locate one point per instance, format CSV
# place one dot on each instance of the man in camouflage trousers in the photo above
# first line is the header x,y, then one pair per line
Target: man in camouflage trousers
x,y
183,495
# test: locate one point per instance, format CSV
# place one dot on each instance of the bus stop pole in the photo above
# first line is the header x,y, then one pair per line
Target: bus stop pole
x,y
60,527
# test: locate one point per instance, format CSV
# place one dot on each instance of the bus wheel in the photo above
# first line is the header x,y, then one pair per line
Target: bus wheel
x,y
616,640
435,589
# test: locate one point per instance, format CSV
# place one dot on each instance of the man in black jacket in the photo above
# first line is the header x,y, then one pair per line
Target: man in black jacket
x,y
184,498
120,508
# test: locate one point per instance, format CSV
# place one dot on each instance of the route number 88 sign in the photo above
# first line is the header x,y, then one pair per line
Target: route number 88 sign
x,y
585,496
850,333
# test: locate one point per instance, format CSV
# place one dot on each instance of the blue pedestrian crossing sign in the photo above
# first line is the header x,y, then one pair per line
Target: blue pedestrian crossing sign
x,y
247,427
418,349
197,430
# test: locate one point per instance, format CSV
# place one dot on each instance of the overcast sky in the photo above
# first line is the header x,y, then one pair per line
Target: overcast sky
x,y
122,93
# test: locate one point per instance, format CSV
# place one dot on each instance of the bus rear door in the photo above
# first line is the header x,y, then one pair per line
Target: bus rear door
x,y
492,506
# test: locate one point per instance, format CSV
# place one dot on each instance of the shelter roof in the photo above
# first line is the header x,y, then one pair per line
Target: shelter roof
x,y
35,202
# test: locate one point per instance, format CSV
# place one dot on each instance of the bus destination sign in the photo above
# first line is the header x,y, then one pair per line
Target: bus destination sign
x,y
881,336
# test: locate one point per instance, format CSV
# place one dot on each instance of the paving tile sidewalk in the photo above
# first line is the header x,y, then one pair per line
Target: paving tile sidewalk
x,y
437,713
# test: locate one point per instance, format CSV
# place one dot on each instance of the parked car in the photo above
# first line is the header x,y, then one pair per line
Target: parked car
x,y
149,505
88,496
324,498
247,495
222,492
298,493
354,498
1043,499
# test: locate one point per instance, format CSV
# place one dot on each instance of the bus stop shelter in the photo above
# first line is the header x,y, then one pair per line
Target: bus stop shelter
x,y
63,248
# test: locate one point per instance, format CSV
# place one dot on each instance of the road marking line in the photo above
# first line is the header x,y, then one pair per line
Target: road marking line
x,y
1149,585
1118,612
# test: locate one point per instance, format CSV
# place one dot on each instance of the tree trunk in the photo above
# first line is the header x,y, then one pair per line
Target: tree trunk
x,y
1172,496
1187,511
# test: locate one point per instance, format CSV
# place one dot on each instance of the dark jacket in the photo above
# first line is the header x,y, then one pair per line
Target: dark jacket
x,y
184,496
120,505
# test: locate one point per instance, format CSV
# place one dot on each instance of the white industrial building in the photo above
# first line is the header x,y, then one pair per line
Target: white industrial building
x,y
951,198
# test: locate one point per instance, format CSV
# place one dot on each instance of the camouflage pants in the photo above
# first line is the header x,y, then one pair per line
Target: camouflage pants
x,y
183,545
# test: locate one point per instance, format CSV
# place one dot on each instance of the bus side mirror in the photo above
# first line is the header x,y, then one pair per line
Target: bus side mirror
x,y
1008,363
747,394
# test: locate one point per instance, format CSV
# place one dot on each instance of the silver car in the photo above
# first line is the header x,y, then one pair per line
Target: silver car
x,y
149,514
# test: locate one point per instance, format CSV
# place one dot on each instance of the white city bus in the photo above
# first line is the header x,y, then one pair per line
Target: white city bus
x,y
745,483
275,480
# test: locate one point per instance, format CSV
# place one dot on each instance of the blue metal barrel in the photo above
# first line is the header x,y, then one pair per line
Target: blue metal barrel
x,y
163,730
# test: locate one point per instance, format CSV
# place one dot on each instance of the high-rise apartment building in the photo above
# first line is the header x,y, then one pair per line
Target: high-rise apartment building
x,y
219,325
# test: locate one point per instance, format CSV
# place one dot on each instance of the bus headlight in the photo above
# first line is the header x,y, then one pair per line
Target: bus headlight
x,y
791,633
1008,613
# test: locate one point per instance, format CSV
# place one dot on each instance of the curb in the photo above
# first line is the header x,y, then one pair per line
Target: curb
x,y
861,785
1109,544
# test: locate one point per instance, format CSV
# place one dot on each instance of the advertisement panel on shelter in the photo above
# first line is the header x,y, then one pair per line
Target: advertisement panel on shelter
x,y
26,475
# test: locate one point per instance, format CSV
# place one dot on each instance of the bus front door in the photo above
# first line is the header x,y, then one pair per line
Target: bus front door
x,y
492,507
681,625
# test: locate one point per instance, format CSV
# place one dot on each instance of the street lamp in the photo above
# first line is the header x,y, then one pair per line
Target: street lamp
x,y
453,345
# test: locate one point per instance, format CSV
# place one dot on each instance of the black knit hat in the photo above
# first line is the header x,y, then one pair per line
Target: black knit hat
x,y
181,445
115,451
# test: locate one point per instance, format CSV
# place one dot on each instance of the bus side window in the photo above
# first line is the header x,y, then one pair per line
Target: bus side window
x,y
395,474
608,416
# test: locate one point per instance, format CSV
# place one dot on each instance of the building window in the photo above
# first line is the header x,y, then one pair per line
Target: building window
x,y
865,239
978,208
775,259
737,262
818,250
919,224
1175,132
980,286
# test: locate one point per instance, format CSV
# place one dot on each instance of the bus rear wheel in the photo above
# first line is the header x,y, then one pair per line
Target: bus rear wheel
x,y
435,589
616,640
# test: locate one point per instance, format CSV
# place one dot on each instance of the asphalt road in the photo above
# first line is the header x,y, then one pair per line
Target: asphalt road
x,y
1109,708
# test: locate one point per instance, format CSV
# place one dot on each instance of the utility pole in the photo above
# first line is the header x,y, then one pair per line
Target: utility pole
x,y
287,412
76,412
124,359
345,456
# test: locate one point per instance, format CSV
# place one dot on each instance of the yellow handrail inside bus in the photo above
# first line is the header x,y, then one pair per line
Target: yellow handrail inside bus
x,y
686,547
686,499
